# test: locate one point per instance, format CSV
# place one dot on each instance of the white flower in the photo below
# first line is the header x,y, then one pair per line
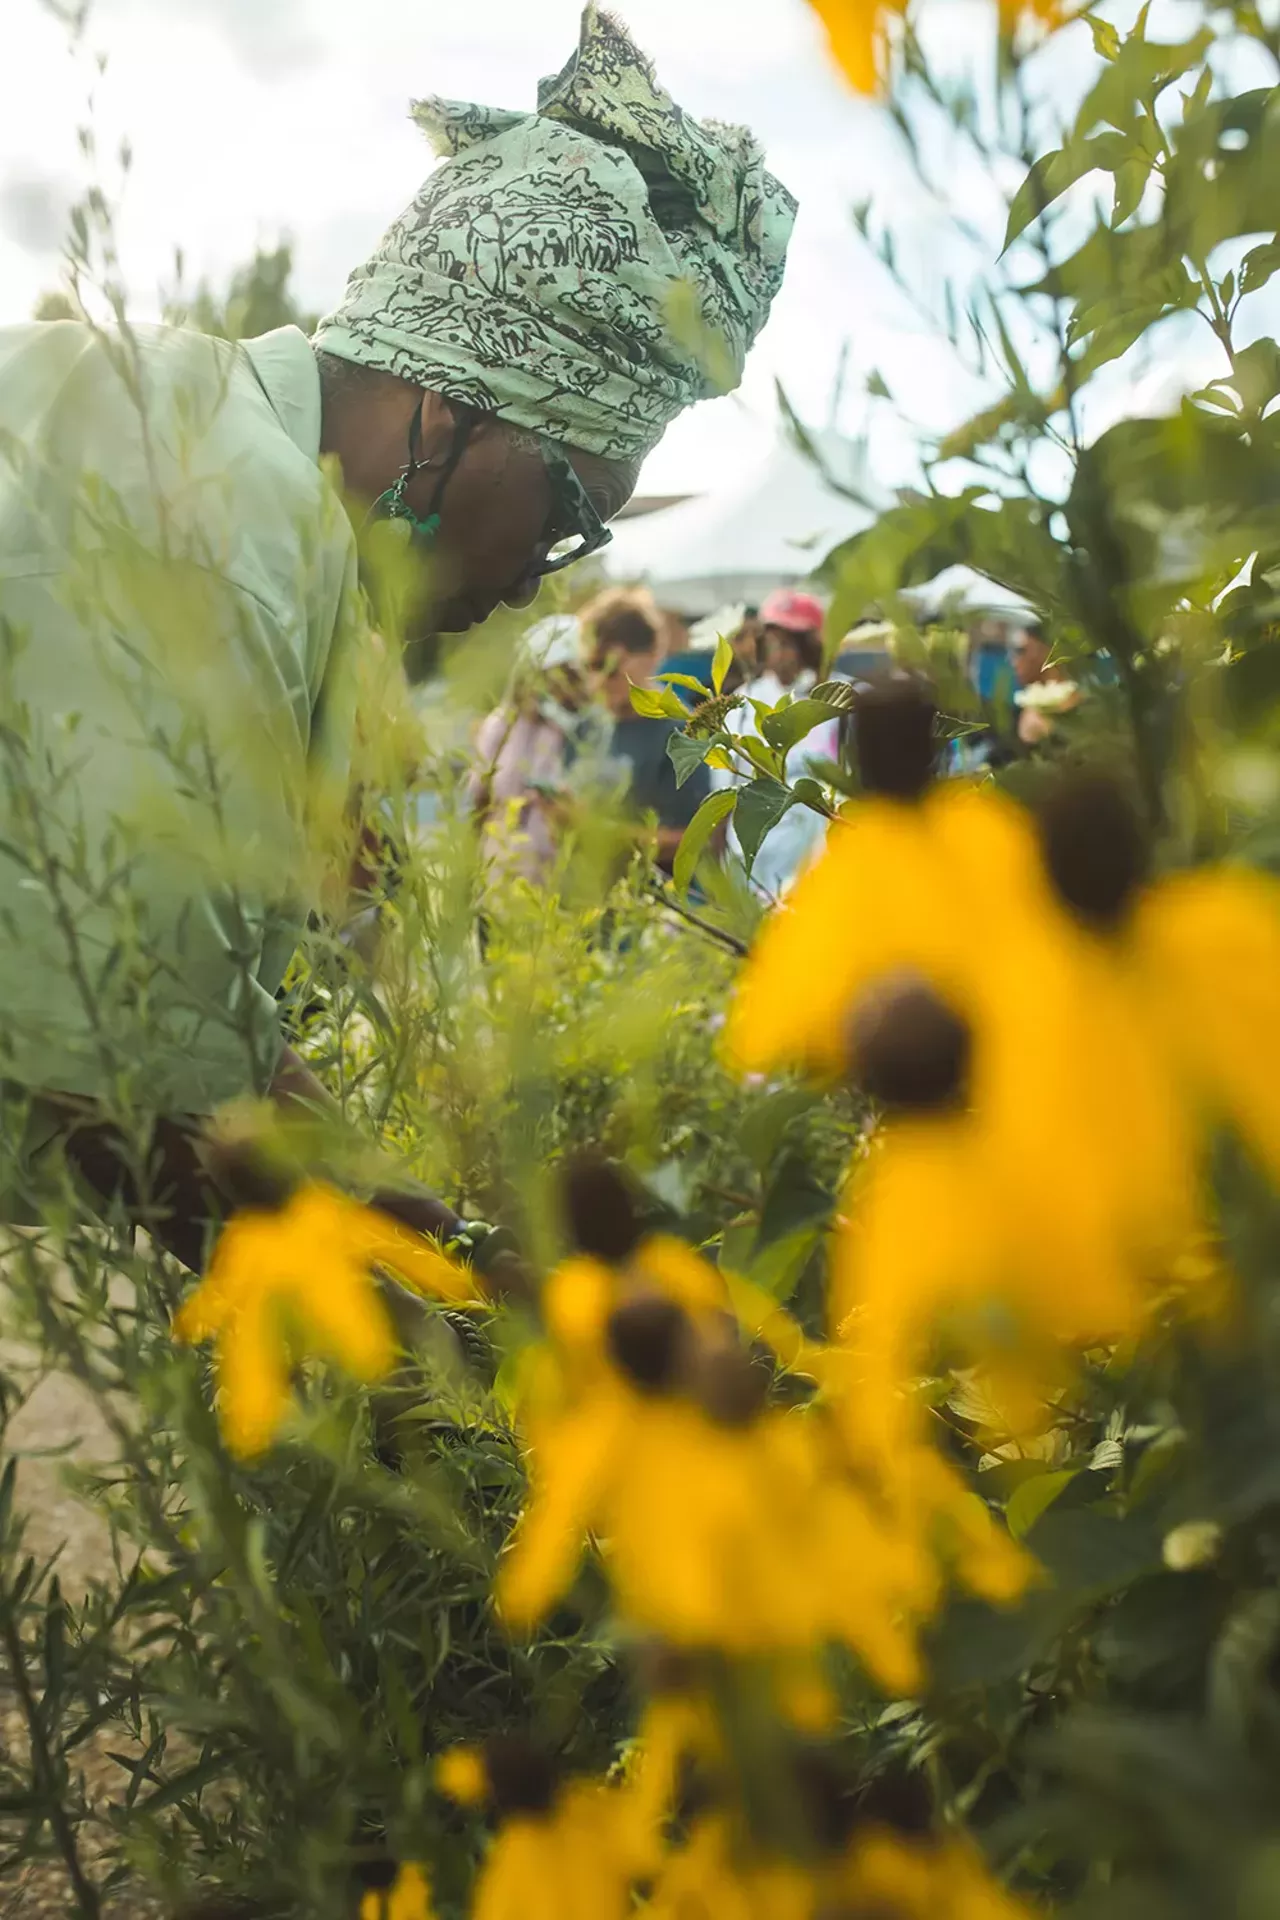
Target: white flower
x,y
1049,696
1194,1544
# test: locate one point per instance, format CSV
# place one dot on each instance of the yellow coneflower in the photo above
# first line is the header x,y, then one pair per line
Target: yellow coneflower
x,y
1036,1151
564,1850
295,1282
856,30
726,1524
407,1898
717,1876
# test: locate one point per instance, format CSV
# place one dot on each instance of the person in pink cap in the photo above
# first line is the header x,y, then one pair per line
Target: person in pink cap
x,y
791,654
791,644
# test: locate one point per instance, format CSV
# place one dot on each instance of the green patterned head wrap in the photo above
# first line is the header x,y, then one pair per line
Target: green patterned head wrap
x,y
537,272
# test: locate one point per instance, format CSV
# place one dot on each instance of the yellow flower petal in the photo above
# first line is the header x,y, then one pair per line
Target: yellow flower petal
x,y
408,1899
1206,949
574,1864
460,1774
570,1462
853,29
253,1395
944,886
345,1320
381,1241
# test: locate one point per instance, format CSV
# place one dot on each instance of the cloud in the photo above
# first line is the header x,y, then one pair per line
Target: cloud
x,y
271,38
33,212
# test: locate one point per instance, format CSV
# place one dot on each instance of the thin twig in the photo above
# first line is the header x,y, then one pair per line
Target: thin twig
x,y
719,934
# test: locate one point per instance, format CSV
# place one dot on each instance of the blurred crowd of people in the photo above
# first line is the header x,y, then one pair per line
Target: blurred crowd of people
x,y
566,735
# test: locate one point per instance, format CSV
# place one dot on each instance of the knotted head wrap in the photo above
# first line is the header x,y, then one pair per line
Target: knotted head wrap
x,y
538,271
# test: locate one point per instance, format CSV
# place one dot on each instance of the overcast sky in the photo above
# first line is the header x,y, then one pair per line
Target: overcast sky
x,y
252,118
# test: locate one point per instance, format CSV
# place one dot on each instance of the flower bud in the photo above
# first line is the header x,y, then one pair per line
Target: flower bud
x,y
909,1050
1095,849
522,1777
600,1208
648,1339
893,731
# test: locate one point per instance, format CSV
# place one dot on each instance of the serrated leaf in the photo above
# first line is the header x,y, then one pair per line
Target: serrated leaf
x,y
837,694
721,664
789,725
694,840
759,809
686,755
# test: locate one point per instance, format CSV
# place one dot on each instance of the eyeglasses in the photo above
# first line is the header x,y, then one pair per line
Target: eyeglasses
x,y
573,527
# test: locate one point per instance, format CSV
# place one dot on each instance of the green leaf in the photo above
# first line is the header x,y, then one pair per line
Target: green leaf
x,y
686,754
184,1785
1258,266
721,664
777,1267
976,1645
808,793
788,725
761,754
760,807
1135,78
659,706
1106,38
838,694
1051,175
795,1199
1034,1497
699,830
1131,178
1255,374
1092,1554
685,680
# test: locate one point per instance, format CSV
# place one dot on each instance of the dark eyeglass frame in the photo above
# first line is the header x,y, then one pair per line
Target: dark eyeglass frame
x,y
572,512
571,515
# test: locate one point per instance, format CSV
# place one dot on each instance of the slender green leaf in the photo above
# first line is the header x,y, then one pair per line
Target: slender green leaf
x,y
721,663
693,842
1050,176
654,705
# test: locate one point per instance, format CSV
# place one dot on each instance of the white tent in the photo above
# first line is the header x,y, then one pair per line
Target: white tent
x,y
766,528
960,591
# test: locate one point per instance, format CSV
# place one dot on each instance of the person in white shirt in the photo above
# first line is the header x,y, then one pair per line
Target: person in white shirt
x,y
791,650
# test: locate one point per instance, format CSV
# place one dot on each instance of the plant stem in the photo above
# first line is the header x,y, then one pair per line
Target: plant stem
x,y
43,1768
718,934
